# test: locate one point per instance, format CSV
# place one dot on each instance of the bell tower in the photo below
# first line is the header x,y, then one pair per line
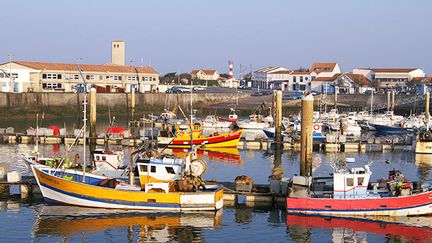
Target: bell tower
x,y
118,52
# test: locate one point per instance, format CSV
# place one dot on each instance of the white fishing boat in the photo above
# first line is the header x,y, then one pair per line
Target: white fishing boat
x,y
212,121
255,122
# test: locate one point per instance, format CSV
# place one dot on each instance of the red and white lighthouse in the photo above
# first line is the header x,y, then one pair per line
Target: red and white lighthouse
x,y
231,63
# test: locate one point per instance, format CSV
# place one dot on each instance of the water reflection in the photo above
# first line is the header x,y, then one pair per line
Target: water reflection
x,y
226,155
417,229
67,222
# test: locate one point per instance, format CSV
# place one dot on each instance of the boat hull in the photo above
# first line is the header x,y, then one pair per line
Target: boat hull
x,y
228,140
59,190
388,130
423,147
419,204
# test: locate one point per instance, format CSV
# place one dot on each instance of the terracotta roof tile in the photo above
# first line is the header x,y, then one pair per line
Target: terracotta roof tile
x,y
205,71
300,73
87,67
392,70
323,67
359,79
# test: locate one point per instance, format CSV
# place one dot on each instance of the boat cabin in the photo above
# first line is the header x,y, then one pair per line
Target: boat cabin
x,y
159,170
108,160
351,183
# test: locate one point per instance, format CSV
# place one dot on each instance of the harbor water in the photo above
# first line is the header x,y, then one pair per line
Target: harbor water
x,y
33,220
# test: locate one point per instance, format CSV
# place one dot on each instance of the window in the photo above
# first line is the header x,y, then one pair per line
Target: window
x,y
97,158
104,158
51,76
51,86
143,168
301,78
114,78
349,182
306,78
132,78
153,169
170,170
92,77
360,181
294,79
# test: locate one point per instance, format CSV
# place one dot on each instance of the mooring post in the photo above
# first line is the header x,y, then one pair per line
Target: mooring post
x,y
92,131
336,90
131,168
306,136
278,119
132,104
388,100
427,115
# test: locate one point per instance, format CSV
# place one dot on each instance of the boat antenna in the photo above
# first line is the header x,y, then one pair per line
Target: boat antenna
x,y
84,119
191,117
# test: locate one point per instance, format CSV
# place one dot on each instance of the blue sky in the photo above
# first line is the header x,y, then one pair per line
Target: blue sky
x,y
190,34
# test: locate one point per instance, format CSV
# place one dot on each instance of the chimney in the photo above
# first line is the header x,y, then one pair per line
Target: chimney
x,y
118,52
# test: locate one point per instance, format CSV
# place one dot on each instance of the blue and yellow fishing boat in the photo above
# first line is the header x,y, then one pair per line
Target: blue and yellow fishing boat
x,y
176,194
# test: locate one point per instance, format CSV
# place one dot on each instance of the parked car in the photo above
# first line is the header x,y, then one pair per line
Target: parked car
x,y
267,92
257,93
293,96
244,87
199,88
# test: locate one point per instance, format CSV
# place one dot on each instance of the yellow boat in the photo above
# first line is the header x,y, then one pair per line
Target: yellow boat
x,y
225,140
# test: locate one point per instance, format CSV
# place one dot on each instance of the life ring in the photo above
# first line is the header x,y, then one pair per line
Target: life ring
x,y
316,127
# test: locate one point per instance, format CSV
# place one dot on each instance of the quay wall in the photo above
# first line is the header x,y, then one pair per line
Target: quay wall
x,y
114,101
70,103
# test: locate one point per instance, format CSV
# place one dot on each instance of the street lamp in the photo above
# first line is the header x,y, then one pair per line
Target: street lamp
x,y
10,73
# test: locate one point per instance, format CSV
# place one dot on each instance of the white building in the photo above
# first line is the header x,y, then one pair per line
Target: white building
x,y
203,74
324,69
349,83
397,78
323,75
61,77
266,78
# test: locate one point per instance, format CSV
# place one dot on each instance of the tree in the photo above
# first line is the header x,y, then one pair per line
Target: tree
x,y
224,75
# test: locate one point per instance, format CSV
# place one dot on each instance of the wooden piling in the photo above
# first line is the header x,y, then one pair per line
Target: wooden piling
x,y
278,118
388,100
133,104
131,168
427,114
306,136
336,90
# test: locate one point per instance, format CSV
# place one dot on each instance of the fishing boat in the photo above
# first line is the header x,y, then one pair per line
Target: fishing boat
x,y
254,122
317,131
224,140
107,163
166,184
212,121
348,192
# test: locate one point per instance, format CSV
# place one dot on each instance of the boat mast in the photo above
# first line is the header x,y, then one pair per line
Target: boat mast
x,y
84,122
191,124
371,111
37,135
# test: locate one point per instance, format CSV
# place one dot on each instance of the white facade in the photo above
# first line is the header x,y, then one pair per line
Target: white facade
x,y
15,76
58,77
205,74
391,77
266,77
